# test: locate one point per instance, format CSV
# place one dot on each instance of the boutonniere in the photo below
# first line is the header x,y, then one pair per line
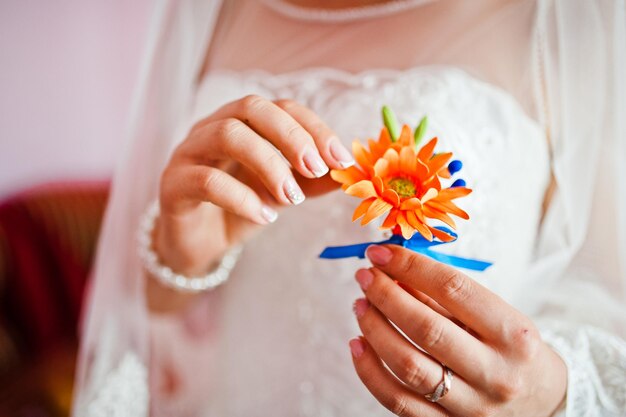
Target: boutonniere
x,y
408,184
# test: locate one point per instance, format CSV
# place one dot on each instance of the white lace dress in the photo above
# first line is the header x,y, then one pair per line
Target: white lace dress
x,y
273,339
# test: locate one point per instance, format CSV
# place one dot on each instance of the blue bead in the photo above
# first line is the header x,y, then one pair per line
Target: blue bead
x,y
455,166
458,183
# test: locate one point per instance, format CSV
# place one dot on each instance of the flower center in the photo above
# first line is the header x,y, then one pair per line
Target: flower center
x,y
403,186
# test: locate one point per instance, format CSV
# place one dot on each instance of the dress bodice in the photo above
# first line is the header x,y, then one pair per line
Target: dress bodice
x,y
284,306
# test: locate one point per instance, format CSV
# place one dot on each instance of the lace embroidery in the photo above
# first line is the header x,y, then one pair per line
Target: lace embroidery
x,y
124,391
596,362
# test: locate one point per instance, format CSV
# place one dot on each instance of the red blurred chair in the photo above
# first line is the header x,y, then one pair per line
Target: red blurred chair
x,y
48,237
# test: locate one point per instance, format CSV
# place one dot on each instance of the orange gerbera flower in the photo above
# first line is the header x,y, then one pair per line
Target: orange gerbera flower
x,y
396,179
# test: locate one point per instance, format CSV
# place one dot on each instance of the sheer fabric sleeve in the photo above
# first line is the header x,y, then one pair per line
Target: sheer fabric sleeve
x,y
119,339
581,62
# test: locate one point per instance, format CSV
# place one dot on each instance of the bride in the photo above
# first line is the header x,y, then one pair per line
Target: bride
x,y
528,93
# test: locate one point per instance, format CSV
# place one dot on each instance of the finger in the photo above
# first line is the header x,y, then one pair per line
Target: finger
x,y
282,130
193,184
330,147
232,139
477,307
252,180
413,367
424,299
390,392
433,304
437,335
318,186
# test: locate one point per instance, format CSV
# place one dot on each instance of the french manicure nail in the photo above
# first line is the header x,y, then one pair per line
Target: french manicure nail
x,y
364,277
293,191
356,347
314,163
340,153
269,214
360,307
379,255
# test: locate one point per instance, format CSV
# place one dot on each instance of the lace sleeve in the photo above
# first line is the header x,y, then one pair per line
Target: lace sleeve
x,y
596,362
584,231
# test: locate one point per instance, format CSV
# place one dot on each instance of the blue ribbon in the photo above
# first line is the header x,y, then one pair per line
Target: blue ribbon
x,y
417,243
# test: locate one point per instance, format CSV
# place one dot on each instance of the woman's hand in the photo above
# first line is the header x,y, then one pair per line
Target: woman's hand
x,y
226,179
501,366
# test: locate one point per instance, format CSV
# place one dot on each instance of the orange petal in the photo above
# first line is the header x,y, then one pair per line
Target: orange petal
x,y
444,173
362,208
362,189
427,150
411,204
432,182
361,156
441,235
429,194
448,206
420,214
436,214
391,197
418,225
348,176
421,171
391,221
438,161
408,160
405,137
378,185
381,168
376,149
453,192
384,139
392,157
377,209
407,230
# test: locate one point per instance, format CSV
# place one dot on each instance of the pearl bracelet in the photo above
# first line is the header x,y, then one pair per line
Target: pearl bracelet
x,y
165,275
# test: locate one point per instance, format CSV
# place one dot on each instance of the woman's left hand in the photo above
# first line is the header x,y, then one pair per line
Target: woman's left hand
x,y
500,365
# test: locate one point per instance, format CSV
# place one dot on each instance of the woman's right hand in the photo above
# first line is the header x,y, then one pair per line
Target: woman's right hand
x,y
226,179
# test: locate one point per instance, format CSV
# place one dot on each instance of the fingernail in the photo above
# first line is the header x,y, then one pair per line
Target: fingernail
x,y
293,191
314,163
364,277
360,306
356,347
340,153
269,214
379,255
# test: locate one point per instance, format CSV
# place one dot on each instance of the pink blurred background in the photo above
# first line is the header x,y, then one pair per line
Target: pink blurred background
x,y
67,74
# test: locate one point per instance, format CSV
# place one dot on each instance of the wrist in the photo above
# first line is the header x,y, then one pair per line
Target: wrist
x,y
189,245
558,383
165,274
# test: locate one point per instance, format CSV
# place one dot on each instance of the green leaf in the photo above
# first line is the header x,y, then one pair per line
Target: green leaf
x,y
391,123
420,130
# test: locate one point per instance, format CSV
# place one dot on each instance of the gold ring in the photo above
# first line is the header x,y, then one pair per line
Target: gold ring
x,y
443,387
